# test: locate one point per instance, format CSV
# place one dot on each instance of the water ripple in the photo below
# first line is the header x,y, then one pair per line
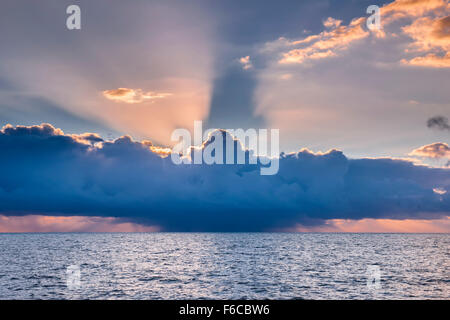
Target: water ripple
x,y
224,266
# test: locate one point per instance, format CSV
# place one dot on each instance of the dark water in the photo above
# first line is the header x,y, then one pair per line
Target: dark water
x,y
224,266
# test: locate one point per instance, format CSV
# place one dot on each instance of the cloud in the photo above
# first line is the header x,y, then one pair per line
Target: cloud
x,y
429,32
430,60
38,223
46,172
438,122
435,150
412,8
132,95
380,226
332,23
439,191
430,35
327,42
245,62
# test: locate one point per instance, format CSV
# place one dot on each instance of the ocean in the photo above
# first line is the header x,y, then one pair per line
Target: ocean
x,y
224,266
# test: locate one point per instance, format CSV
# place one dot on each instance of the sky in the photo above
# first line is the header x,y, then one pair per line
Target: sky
x,y
362,115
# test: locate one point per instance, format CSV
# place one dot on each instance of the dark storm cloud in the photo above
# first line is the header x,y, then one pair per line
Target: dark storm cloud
x,y
438,122
43,171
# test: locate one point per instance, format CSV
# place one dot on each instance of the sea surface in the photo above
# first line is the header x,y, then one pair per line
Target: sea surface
x,y
224,266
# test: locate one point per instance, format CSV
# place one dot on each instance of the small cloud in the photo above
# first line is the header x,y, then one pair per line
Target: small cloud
x,y
246,63
430,60
327,43
332,23
435,151
439,191
42,130
87,138
438,122
132,95
429,34
432,37
161,151
286,76
411,8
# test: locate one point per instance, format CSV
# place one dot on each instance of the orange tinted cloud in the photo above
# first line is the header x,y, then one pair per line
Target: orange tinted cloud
x,y
434,151
246,63
44,129
163,152
411,8
431,36
39,223
132,95
332,23
429,32
85,138
327,41
439,191
430,60
381,225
